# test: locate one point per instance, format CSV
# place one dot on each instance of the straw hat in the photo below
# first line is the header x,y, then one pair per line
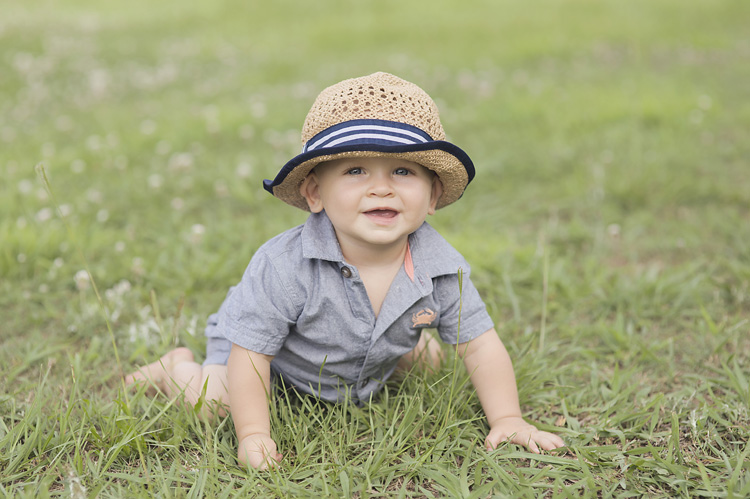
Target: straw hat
x,y
375,115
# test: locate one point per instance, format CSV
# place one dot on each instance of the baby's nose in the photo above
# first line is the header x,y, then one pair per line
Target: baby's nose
x,y
380,185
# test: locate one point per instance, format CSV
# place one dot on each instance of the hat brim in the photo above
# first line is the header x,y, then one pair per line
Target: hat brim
x,y
452,165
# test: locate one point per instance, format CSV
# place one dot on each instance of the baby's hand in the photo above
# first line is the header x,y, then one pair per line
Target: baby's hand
x,y
259,451
518,431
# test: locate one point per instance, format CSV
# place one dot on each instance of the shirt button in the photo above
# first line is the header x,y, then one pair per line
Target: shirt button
x,y
346,272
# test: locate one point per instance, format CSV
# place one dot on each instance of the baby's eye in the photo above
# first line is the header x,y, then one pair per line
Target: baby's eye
x,y
354,171
402,171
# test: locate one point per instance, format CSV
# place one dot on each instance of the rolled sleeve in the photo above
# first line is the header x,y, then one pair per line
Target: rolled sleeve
x,y
259,312
464,315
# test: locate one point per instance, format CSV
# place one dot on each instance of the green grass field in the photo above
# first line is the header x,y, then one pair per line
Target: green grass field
x,y
608,230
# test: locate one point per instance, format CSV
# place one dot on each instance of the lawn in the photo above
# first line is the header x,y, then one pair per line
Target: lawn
x,y
608,230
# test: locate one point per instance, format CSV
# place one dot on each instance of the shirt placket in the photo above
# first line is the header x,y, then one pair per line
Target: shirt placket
x,y
406,293
361,310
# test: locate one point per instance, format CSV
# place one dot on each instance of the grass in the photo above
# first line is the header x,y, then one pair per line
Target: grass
x,y
607,230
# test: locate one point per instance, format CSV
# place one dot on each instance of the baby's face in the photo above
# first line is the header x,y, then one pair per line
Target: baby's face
x,y
372,201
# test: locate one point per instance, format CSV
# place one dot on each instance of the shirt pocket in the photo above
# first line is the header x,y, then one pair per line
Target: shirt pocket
x,y
423,314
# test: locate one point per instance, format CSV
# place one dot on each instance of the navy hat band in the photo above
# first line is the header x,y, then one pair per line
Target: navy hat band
x,y
358,132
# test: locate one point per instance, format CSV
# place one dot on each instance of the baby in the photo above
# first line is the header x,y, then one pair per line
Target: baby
x,y
333,307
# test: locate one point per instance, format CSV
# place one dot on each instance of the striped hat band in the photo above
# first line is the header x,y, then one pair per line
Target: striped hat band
x,y
359,132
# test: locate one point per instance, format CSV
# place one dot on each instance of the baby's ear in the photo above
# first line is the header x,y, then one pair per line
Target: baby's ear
x,y
310,190
437,191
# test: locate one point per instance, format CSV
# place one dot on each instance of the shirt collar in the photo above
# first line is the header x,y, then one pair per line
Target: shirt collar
x,y
319,239
433,255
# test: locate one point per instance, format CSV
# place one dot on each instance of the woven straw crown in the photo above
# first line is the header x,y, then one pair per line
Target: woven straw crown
x,y
381,96
379,115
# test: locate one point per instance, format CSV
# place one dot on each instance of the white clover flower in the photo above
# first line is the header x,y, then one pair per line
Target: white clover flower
x,y
7,134
82,280
77,166
705,102
155,181
192,325
121,162
122,287
211,112
23,62
180,162
65,210
212,126
94,142
146,330
244,170
76,489
196,233
221,188
94,196
43,215
64,123
163,147
696,116
303,90
186,182
119,246
137,266
258,109
99,80
25,186
102,215
133,333
147,127
246,132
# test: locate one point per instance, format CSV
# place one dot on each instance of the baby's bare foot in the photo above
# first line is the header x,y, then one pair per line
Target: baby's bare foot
x,y
158,373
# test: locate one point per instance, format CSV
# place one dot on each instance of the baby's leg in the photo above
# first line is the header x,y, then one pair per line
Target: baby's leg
x,y
426,355
177,373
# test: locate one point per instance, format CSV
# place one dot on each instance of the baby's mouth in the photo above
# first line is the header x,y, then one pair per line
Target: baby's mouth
x,y
382,213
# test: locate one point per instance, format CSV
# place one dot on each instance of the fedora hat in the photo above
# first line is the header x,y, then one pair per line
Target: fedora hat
x,y
379,115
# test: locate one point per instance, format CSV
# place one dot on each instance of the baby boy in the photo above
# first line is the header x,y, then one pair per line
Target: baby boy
x,y
333,307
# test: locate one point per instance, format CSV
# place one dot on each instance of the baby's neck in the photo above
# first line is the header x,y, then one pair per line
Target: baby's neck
x,y
377,269
375,257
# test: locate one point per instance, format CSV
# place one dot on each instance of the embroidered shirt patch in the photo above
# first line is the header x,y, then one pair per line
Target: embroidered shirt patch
x,y
423,318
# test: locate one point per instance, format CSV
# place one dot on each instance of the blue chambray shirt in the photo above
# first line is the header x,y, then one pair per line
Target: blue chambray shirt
x,y
300,302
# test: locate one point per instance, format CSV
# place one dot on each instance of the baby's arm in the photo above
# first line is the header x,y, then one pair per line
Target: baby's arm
x,y
492,375
249,380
